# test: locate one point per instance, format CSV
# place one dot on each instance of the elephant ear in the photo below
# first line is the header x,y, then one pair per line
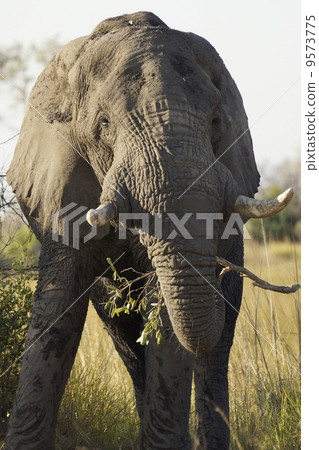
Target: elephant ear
x,y
47,172
235,150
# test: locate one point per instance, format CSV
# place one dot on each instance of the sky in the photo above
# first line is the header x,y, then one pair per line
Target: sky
x,y
259,42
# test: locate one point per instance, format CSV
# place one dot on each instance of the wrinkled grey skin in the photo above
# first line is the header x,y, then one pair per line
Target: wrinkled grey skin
x,y
150,109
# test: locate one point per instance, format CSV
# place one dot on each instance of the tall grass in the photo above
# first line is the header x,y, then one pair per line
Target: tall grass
x,y
264,374
98,407
96,412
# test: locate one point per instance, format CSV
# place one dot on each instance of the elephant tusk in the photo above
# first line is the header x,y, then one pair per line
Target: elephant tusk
x,y
102,215
250,207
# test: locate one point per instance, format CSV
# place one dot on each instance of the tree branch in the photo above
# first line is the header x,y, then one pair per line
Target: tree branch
x,y
10,139
228,266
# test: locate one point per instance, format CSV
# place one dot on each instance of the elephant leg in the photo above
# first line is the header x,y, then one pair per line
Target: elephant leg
x,y
212,399
169,371
52,340
211,371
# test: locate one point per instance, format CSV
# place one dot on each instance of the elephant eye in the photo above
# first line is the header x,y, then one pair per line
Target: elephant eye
x,y
101,127
216,118
105,122
217,127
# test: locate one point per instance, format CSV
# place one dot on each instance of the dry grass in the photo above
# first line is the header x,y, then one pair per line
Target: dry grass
x,y
264,377
98,407
264,372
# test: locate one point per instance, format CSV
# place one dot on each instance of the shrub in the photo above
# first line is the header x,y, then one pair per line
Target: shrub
x,y
15,305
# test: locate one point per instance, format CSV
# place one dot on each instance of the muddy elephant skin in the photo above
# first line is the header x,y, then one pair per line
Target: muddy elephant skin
x,y
146,119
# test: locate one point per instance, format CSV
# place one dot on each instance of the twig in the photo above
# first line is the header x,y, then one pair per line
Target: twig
x,y
257,281
10,139
7,271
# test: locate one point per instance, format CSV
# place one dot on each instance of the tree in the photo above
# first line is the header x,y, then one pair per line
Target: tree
x,y
287,224
20,64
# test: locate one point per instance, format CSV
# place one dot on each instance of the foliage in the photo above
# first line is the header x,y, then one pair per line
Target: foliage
x,y
137,300
286,224
15,305
17,241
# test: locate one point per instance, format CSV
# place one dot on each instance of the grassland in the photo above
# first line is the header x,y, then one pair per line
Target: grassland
x,y
264,376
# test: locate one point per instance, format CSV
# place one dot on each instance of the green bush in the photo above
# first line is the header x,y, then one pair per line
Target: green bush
x,y
284,225
16,295
18,243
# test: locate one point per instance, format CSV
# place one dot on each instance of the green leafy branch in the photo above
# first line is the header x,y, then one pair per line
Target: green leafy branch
x,y
137,300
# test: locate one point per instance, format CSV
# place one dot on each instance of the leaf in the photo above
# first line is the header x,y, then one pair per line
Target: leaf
x,y
117,311
113,288
132,302
158,337
143,338
107,304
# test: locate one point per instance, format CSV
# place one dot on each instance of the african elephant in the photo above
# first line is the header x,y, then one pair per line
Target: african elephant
x,y
136,118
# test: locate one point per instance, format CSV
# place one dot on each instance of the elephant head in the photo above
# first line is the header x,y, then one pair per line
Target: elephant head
x,y
137,117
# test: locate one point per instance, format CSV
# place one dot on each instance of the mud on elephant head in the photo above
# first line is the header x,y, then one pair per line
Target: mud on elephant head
x,y
137,117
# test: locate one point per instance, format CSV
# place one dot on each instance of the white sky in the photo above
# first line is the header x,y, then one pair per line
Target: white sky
x,y
259,42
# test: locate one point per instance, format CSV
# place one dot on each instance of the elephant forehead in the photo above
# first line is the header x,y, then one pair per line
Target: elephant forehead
x,y
145,41
132,69
132,53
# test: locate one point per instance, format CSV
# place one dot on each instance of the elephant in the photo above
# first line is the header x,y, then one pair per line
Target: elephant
x,y
136,118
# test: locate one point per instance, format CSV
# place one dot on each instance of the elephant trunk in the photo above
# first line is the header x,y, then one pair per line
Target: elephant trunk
x,y
189,286
158,182
185,267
